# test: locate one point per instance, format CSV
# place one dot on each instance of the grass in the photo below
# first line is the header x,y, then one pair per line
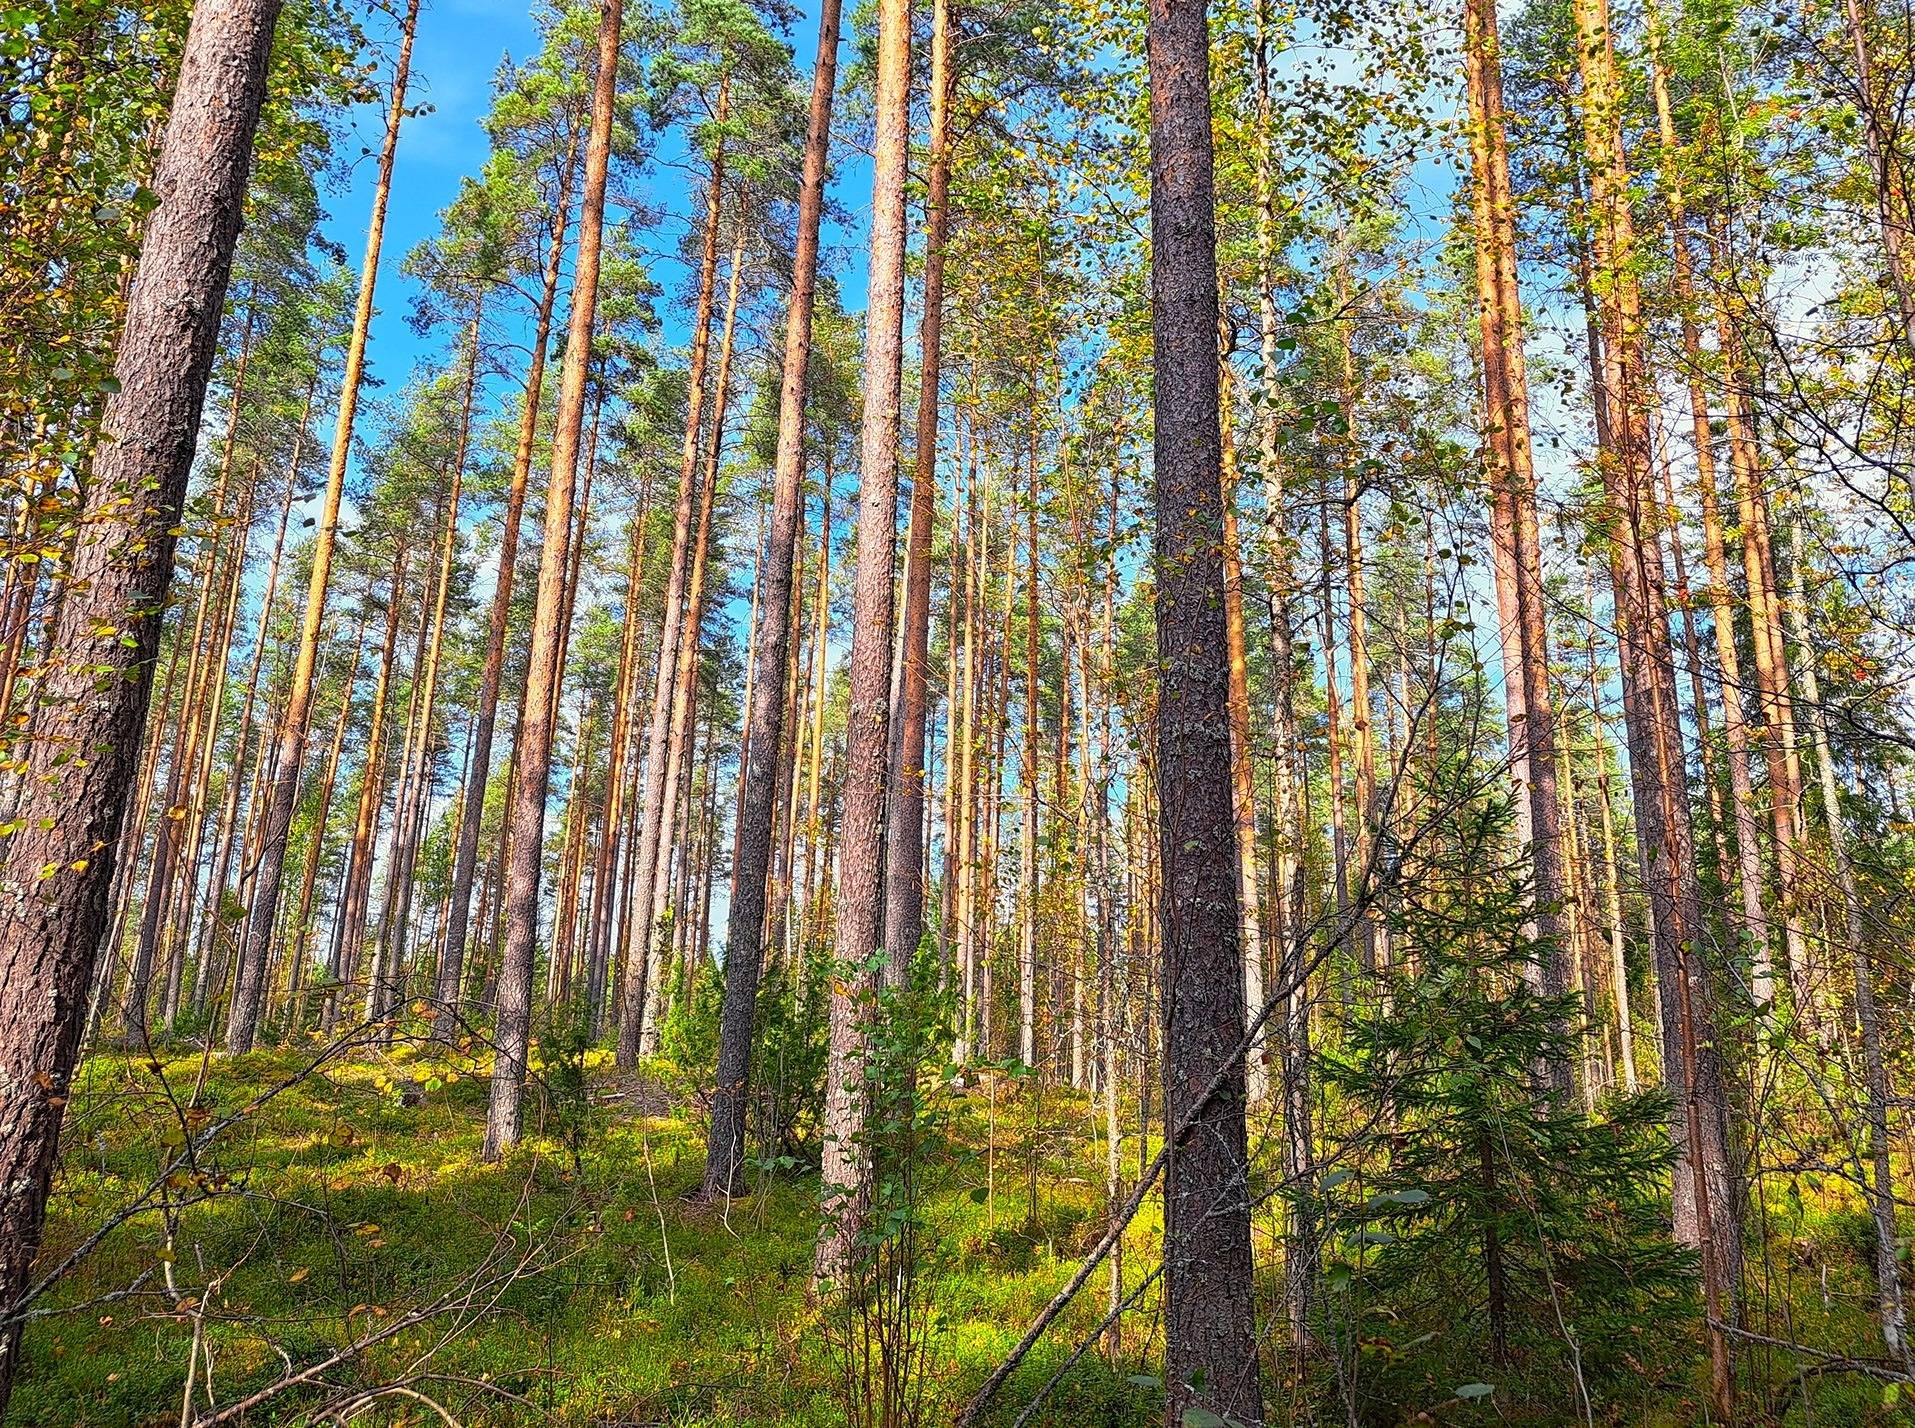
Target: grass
x,y
354,1196
335,1210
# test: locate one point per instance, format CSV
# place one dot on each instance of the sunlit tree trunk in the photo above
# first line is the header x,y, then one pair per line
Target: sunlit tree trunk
x,y
1515,530
404,868
249,995
672,621
58,868
1749,878
229,813
1027,888
196,809
860,900
904,854
465,858
976,558
544,671
770,652
1777,731
680,750
1362,733
1286,906
612,843
309,880
405,785
349,930
1243,785
1705,1197
816,869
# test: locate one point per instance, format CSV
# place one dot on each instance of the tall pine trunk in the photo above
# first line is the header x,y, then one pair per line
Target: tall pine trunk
x,y
1512,481
1705,1195
525,851
249,995
904,857
1209,1317
465,858
645,889
680,749
746,919
860,902
58,868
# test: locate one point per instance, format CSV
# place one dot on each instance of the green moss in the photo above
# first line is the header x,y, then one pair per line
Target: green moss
x,y
333,1209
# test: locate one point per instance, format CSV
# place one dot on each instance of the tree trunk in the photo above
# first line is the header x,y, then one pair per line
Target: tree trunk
x,y
1755,926
229,813
395,935
682,732
533,754
1027,775
1705,1207
1243,773
611,838
302,926
249,995
465,859
977,550
1209,1316
348,932
1512,480
58,867
644,892
860,904
746,918
1777,730
904,857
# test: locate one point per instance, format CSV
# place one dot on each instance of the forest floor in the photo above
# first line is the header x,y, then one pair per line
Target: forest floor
x,y
578,1283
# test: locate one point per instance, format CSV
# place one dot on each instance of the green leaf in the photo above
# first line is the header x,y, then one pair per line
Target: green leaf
x,y
1476,1390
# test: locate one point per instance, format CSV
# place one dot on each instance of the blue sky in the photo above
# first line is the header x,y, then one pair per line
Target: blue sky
x,y
455,55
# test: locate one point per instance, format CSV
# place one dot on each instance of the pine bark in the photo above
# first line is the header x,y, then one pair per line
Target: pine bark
x,y
746,919
860,901
904,857
465,860
1705,1195
58,868
1514,524
525,854
1209,1315
249,995
349,930
645,884
680,752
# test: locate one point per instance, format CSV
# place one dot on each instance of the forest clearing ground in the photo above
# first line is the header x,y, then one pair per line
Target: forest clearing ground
x,y
337,1208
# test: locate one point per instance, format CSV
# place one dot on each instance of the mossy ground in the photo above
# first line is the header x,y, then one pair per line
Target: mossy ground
x,y
335,1209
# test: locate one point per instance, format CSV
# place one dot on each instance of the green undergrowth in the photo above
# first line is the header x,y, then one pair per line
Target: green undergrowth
x,y
580,1283
335,1209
